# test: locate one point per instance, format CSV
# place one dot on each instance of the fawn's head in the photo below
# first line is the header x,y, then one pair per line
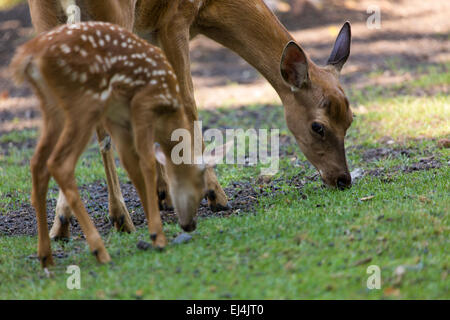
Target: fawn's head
x,y
187,183
318,113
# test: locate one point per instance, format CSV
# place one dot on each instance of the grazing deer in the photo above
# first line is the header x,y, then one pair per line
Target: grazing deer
x,y
317,111
93,73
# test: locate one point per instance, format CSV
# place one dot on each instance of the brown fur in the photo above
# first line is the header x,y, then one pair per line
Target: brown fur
x,y
74,102
249,28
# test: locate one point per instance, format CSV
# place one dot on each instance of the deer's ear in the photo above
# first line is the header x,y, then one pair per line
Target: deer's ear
x,y
294,66
341,49
159,154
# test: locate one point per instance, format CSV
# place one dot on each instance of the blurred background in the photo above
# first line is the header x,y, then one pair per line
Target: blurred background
x,y
413,35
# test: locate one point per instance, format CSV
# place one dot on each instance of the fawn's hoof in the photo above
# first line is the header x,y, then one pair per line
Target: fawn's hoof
x,y
159,241
217,201
46,260
101,255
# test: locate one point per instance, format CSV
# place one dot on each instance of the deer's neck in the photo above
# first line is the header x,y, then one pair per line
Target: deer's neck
x,y
256,34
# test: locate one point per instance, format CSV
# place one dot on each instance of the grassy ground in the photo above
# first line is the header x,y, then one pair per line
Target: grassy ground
x,y
308,243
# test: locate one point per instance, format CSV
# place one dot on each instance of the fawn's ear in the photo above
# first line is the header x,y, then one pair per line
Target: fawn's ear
x,y
215,156
294,66
341,49
159,154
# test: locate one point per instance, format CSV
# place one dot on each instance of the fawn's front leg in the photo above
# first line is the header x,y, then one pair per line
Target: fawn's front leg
x,y
174,39
132,163
143,142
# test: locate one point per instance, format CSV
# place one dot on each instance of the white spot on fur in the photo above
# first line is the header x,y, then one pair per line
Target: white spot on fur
x,y
65,48
83,77
92,41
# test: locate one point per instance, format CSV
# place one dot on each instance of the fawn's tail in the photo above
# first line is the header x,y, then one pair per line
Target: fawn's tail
x,y
20,64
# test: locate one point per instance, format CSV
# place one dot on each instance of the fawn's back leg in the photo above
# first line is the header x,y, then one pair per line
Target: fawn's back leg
x,y
78,129
53,119
118,212
40,178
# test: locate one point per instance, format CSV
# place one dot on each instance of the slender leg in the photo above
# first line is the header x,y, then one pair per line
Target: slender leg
x,y
174,39
130,159
143,142
61,165
44,14
123,140
40,179
60,229
118,212
164,201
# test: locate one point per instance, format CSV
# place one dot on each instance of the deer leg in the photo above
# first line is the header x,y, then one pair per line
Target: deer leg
x,y
174,39
130,160
164,200
61,165
118,212
60,229
40,179
143,142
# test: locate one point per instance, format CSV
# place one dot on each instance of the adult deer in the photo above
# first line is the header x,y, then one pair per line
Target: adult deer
x,y
90,73
316,108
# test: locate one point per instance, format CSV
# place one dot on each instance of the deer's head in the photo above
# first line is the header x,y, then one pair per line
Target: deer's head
x,y
318,112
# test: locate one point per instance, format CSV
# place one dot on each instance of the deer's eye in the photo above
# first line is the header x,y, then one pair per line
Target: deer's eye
x,y
318,128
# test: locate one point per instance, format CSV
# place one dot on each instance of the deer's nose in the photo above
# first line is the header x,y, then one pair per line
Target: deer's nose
x,y
344,181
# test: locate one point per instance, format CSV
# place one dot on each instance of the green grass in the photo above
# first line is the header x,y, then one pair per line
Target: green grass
x,y
290,247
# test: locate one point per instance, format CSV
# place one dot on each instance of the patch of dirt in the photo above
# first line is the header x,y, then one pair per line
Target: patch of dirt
x,y
423,164
383,153
428,163
22,221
